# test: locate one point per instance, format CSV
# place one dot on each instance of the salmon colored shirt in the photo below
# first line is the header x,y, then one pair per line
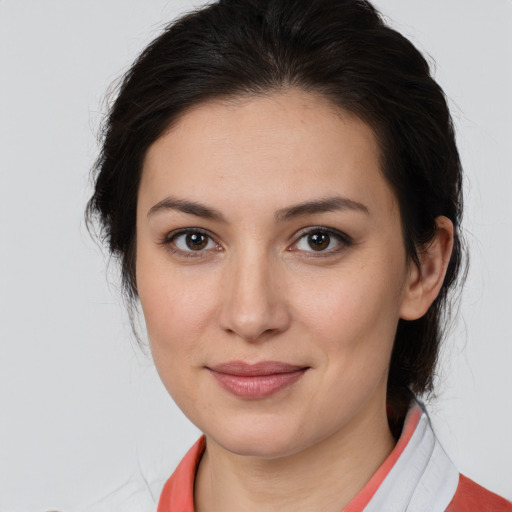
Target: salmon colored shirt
x,y
417,476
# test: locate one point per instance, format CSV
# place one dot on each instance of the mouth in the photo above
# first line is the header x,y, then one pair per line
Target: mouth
x,y
253,381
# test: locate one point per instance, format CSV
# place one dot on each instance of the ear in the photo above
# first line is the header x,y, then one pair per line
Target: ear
x,y
425,280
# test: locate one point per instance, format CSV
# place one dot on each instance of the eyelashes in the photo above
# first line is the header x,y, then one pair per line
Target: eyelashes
x,y
317,241
190,242
322,241
194,241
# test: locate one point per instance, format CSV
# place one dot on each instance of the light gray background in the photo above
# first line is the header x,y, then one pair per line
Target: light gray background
x,y
81,408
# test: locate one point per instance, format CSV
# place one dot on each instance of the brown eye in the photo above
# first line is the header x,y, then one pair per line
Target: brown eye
x,y
196,241
192,241
319,241
324,241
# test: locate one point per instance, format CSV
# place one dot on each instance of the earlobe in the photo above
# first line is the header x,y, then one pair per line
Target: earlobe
x,y
425,280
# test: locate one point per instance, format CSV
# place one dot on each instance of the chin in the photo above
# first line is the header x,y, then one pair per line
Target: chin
x,y
259,438
263,447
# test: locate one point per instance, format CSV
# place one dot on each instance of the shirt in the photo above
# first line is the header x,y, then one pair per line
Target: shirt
x,y
417,476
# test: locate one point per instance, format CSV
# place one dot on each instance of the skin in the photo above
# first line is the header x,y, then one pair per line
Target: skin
x,y
258,291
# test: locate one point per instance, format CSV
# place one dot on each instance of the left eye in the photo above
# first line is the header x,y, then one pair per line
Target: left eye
x,y
320,241
193,241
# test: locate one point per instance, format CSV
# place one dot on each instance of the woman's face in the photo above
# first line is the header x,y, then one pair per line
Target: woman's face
x,y
271,271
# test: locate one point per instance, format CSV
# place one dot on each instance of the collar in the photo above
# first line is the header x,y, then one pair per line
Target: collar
x,y
417,476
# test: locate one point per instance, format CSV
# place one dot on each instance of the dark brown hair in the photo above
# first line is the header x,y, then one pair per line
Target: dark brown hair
x,y
341,49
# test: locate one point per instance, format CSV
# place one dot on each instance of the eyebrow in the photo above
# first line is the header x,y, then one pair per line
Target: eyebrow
x,y
190,207
330,204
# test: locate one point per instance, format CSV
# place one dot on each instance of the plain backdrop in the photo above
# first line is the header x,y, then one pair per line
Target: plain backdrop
x,y
81,408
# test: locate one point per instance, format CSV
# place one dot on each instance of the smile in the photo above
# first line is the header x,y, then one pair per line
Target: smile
x,y
259,380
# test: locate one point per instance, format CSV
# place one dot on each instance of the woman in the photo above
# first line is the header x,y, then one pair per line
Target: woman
x,y
281,183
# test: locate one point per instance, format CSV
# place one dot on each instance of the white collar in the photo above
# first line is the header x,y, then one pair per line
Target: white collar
x,y
423,479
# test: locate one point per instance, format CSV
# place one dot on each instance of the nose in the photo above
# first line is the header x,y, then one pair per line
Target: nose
x,y
254,305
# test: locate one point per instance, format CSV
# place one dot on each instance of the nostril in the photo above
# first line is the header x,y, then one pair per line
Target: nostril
x,y
255,328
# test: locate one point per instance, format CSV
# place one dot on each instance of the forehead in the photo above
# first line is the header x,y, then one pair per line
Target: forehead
x,y
279,148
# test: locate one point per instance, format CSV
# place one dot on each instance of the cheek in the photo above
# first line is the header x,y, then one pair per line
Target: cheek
x,y
342,306
175,309
177,304
352,316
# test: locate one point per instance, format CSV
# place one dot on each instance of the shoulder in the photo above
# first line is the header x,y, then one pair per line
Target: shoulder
x,y
471,497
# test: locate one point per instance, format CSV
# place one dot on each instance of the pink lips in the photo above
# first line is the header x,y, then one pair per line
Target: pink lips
x,y
258,380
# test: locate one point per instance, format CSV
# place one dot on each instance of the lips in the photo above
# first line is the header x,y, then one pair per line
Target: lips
x,y
258,380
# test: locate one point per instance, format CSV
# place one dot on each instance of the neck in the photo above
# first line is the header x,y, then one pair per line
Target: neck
x,y
325,476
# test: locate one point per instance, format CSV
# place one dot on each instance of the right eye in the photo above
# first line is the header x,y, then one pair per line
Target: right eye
x,y
191,241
